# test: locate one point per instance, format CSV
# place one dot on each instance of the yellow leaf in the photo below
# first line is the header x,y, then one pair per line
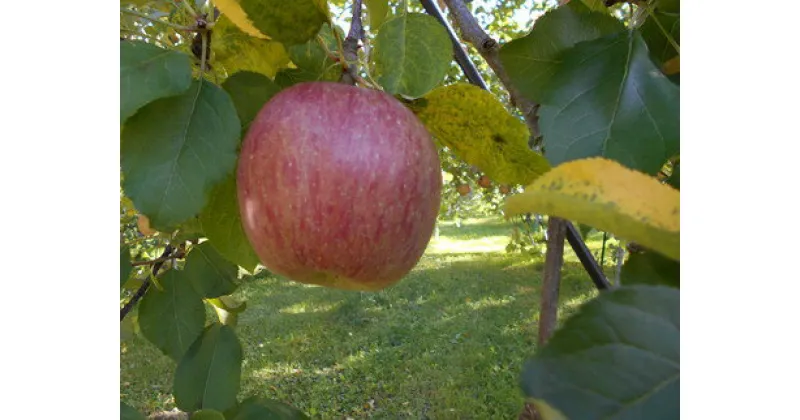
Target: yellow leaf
x,y
478,129
608,196
237,51
289,22
233,10
548,412
672,66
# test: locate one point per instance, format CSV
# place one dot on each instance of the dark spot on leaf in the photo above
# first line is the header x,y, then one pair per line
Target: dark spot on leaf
x,y
498,138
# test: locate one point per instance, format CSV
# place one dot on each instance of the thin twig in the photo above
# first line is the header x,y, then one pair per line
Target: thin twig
x,y
331,55
146,284
151,262
670,39
350,46
180,253
144,16
489,49
190,9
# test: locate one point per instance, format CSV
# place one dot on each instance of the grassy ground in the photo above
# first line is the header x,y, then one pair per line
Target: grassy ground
x,y
447,342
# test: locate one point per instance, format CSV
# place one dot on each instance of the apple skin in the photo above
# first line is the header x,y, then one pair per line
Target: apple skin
x,y
338,186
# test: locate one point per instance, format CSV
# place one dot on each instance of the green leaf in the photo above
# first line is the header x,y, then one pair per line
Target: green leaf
x,y
651,268
126,412
127,328
172,319
655,36
148,73
609,99
289,22
134,2
607,196
211,274
207,415
584,230
669,6
208,375
617,358
125,266
255,408
377,12
477,128
249,92
597,5
412,54
227,309
312,58
533,60
175,149
237,51
222,223
289,77
675,178
189,230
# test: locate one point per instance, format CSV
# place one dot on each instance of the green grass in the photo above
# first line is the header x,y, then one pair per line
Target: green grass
x,y
446,342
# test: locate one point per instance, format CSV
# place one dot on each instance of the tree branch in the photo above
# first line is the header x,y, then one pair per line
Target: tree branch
x,y
350,46
551,281
146,284
180,253
489,49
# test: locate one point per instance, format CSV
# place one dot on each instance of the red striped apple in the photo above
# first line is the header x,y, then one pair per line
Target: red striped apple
x,y
338,186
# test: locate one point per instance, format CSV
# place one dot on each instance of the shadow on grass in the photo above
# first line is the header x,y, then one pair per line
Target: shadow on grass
x,y
448,341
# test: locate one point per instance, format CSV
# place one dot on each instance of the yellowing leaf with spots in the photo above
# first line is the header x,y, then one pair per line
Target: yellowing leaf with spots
x,y
233,10
479,130
290,22
235,51
608,196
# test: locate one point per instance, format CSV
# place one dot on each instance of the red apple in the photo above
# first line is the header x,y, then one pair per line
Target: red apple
x,y
463,189
505,189
484,181
338,186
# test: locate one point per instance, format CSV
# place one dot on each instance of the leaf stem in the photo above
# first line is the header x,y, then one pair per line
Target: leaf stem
x,y
328,52
190,9
144,16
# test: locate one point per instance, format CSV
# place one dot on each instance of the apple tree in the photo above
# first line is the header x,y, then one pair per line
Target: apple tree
x,y
261,133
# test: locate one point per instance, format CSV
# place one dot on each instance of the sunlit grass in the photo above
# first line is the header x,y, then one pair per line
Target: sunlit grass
x,y
446,342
